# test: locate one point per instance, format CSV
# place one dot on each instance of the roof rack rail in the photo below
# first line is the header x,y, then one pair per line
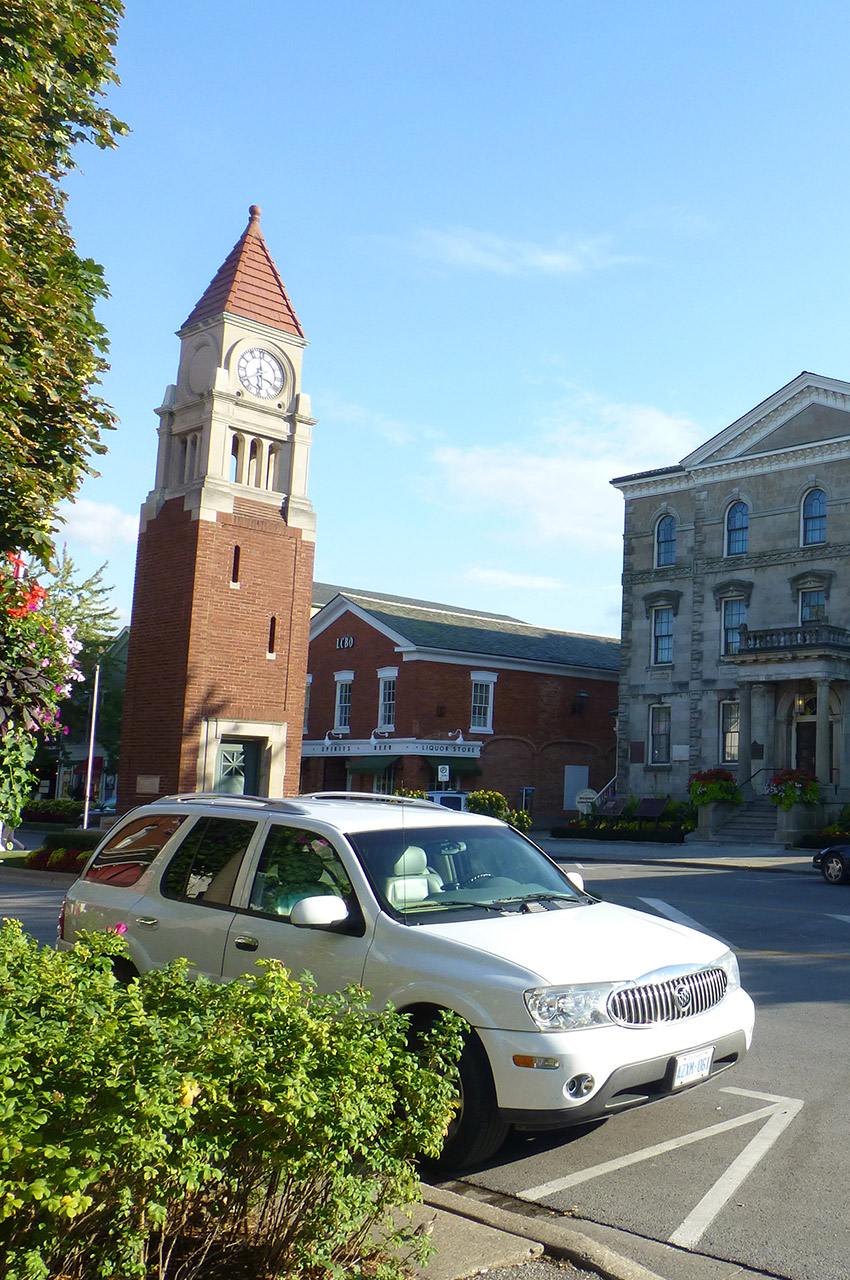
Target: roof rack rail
x,y
372,796
219,797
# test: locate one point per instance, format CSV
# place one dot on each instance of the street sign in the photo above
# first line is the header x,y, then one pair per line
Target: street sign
x,y
585,799
443,773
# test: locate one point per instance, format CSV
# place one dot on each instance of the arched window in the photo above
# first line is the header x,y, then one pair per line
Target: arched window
x,y
814,517
234,459
665,541
271,468
253,462
737,529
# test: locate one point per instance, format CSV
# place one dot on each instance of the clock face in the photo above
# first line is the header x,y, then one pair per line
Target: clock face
x,y
260,373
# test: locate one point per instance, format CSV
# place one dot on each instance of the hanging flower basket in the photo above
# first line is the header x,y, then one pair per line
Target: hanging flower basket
x,y
714,786
792,786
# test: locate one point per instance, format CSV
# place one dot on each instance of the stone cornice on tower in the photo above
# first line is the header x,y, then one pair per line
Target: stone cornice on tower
x,y
248,285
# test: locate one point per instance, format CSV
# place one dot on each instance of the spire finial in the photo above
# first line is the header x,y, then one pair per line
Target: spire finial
x,y
254,214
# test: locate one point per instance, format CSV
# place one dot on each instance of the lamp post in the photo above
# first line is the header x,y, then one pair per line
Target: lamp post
x,y
92,731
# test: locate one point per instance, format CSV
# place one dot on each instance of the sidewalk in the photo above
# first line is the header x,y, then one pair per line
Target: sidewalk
x,y
724,857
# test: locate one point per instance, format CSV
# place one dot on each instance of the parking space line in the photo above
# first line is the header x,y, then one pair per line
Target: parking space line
x,y
679,917
779,1113
697,1222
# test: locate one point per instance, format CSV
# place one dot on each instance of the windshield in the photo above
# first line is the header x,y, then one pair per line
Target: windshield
x,y
422,872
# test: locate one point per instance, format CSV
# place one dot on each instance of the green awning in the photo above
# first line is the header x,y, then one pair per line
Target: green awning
x,y
463,766
373,764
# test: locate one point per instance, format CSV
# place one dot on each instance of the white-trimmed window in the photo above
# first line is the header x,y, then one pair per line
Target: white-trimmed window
x,y
737,529
665,542
662,635
386,697
734,615
729,724
814,518
659,733
307,693
481,716
342,703
813,605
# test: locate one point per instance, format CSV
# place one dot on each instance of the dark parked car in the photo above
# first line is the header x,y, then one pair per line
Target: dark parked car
x,y
833,863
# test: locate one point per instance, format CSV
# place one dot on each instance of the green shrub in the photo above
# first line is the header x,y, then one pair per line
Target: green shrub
x,y
494,805
178,1128
72,837
52,811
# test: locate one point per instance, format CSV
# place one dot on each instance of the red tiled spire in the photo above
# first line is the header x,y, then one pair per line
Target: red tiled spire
x,y
247,284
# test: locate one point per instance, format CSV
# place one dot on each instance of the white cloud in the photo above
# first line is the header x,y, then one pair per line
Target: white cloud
x,y
559,491
483,251
504,580
334,409
98,526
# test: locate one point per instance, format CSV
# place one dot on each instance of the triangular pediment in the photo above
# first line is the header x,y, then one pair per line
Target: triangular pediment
x,y
809,411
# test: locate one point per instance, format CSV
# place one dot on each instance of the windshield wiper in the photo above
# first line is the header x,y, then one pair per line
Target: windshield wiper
x,y
463,902
523,898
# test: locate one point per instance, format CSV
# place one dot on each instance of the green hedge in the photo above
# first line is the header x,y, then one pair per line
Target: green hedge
x,y
179,1128
52,811
663,834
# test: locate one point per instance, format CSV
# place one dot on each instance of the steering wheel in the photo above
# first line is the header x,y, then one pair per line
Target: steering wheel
x,y
481,875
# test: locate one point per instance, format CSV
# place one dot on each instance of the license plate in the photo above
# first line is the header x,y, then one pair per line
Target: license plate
x,y
693,1066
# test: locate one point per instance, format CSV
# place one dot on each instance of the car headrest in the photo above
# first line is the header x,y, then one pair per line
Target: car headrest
x,y
413,862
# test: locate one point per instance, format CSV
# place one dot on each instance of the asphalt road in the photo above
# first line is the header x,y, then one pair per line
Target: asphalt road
x,y
752,1167
747,1167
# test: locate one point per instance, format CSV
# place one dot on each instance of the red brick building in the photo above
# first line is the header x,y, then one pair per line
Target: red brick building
x,y
218,641
408,692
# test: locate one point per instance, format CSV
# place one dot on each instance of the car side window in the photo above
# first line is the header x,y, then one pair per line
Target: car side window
x,y
296,864
205,867
128,853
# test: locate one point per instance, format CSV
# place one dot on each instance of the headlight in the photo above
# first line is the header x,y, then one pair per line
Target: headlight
x,y
729,962
569,1008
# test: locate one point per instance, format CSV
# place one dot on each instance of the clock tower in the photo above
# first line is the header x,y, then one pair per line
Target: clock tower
x,y
217,662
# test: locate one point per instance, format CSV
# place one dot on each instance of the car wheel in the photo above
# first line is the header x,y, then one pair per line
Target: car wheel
x,y
834,867
476,1131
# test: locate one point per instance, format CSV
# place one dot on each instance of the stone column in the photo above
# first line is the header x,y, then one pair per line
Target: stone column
x,y
745,737
844,743
770,729
823,762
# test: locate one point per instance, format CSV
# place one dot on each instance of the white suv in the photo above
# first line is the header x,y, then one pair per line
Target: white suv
x,y
578,1008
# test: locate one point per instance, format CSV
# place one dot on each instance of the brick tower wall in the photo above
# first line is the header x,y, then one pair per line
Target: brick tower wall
x,y
199,643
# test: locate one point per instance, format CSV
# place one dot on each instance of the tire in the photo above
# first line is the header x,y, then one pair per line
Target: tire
x,y
834,867
477,1131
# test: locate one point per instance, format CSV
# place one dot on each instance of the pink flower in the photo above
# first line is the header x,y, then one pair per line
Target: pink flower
x,y
119,929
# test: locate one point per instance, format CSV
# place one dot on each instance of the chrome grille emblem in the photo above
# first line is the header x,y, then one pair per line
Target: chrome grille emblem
x,y
684,996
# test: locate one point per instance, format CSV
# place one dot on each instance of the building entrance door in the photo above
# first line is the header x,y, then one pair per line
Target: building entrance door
x,y
237,770
804,750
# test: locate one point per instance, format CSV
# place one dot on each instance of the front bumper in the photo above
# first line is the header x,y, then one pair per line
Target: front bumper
x,y
629,1086
629,1066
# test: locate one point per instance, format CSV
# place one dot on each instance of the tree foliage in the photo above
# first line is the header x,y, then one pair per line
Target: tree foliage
x,y
55,63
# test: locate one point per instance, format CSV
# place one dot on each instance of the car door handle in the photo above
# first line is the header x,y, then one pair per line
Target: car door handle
x,y
246,943
149,922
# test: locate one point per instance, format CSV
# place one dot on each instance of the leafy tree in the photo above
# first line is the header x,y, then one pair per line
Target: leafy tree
x,y
82,605
55,63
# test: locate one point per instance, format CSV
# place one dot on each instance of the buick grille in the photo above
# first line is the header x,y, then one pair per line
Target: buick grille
x,y
682,997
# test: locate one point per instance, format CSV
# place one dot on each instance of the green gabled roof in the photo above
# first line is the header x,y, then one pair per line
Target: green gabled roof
x,y
427,625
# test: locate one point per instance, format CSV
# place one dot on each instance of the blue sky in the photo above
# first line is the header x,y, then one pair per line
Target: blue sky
x,y
533,247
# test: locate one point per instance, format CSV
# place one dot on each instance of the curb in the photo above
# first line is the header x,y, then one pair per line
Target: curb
x,y
557,1241
701,864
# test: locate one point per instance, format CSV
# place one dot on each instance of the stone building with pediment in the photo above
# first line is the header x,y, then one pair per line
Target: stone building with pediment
x,y
736,602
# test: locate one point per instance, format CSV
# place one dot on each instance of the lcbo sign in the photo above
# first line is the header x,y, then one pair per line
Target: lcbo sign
x,y
392,747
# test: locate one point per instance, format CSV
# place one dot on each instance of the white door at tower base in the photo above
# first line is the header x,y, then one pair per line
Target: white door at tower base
x,y
575,780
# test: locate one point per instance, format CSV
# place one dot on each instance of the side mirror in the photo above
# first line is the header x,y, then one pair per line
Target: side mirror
x,y
318,913
576,880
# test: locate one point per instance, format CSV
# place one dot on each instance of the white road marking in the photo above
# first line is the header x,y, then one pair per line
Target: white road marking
x,y
846,919
696,1223
679,917
778,1114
